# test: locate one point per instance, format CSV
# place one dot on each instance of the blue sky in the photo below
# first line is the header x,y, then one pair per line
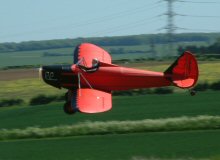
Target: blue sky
x,y
25,20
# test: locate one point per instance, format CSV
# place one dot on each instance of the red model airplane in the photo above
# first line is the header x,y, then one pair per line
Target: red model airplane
x,y
92,78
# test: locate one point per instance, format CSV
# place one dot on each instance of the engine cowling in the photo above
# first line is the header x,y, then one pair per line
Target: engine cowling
x,y
58,76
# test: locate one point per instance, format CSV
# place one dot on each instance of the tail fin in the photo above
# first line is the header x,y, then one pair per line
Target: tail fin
x,y
184,71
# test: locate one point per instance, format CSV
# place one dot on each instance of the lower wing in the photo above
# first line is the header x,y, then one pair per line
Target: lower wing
x,y
88,100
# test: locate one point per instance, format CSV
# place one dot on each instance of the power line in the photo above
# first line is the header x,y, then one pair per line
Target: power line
x,y
201,30
130,25
198,16
205,2
113,16
171,27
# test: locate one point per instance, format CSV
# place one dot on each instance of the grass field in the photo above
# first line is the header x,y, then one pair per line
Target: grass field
x,y
184,144
34,57
37,57
196,144
26,89
124,108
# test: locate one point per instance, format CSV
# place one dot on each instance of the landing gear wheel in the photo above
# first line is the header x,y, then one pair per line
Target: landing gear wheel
x,y
68,109
192,92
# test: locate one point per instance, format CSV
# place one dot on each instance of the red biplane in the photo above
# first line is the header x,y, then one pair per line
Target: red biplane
x,y
92,78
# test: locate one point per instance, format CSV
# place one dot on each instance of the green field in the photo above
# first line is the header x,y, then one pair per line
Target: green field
x,y
34,57
182,144
124,108
21,58
196,144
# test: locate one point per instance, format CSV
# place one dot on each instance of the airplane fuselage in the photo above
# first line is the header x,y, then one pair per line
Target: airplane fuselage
x,y
107,78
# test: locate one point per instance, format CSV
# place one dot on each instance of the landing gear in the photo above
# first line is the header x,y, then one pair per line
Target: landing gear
x,y
192,92
66,96
68,109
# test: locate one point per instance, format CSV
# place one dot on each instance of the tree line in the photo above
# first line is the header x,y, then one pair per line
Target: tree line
x,y
107,41
211,49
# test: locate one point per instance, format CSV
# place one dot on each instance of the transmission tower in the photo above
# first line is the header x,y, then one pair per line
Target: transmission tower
x,y
170,25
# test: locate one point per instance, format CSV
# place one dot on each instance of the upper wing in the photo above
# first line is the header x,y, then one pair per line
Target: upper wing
x,y
87,52
92,101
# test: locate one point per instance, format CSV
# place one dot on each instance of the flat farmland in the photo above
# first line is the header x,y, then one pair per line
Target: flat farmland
x,y
185,144
198,144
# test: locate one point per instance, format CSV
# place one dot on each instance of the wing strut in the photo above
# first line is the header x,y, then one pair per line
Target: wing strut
x,y
87,82
80,74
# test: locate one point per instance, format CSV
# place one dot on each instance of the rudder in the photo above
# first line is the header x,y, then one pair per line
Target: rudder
x,y
184,71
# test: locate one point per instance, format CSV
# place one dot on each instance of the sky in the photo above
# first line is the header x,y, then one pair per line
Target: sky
x,y
25,20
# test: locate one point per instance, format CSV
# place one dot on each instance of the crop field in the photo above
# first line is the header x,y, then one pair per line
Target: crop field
x,y
124,108
208,70
169,145
32,58
37,57
195,144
